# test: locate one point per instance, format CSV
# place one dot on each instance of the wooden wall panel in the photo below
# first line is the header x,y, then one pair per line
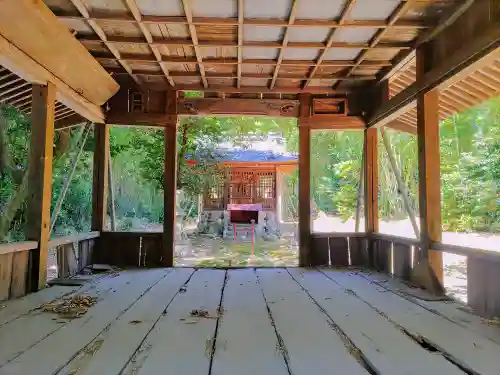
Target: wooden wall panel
x,y
152,250
339,251
401,258
118,249
19,274
382,254
5,275
483,292
319,251
358,251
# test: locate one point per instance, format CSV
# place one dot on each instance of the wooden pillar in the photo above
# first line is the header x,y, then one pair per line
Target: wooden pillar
x,y
40,182
170,182
371,180
429,167
304,181
100,178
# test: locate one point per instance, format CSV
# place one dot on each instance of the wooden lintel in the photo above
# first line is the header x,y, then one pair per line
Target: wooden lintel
x,y
40,182
238,107
402,127
139,119
335,123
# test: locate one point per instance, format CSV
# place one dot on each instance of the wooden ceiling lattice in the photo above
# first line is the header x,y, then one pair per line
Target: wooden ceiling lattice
x,y
287,44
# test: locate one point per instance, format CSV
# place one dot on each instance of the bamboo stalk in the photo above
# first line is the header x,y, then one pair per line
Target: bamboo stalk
x,y
401,185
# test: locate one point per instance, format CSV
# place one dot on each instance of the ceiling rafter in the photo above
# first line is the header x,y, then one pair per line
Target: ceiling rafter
x,y
398,12
82,8
234,21
194,38
345,13
284,42
15,80
253,43
134,9
240,41
246,75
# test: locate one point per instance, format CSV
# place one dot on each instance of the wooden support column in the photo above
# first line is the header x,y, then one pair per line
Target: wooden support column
x,y
100,182
371,181
170,181
304,181
429,166
40,182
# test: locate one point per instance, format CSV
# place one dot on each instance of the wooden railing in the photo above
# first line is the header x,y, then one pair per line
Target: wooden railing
x,y
74,252
338,249
14,268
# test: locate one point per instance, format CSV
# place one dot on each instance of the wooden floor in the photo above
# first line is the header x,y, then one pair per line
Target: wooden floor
x,y
254,321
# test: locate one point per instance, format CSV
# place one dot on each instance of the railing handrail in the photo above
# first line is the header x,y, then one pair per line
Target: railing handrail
x,y
73,238
14,247
397,239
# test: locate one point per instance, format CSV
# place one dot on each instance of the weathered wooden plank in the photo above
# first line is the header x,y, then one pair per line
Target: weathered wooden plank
x,y
461,346
451,310
319,251
483,293
178,342
339,252
73,238
125,336
384,346
358,251
382,254
40,181
16,308
5,275
299,323
401,260
6,248
47,353
19,274
246,340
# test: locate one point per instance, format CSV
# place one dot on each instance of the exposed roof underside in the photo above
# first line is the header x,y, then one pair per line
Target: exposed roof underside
x,y
278,44
477,87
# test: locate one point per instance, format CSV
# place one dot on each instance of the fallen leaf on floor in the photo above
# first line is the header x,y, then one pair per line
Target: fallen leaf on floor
x,y
495,321
135,322
202,314
70,307
183,289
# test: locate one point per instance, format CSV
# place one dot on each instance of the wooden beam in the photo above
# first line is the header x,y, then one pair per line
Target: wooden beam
x,y
463,62
234,21
134,9
429,168
284,43
194,39
238,107
304,181
293,77
84,11
396,14
250,89
24,66
100,178
170,181
371,180
179,42
241,8
403,127
36,32
343,17
40,182
336,123
232,61
405,57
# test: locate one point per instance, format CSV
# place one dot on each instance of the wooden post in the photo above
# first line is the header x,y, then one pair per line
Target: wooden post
x,y
429,167
304,181
111,191
170,182
371,181
40,182
359,198
100,181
